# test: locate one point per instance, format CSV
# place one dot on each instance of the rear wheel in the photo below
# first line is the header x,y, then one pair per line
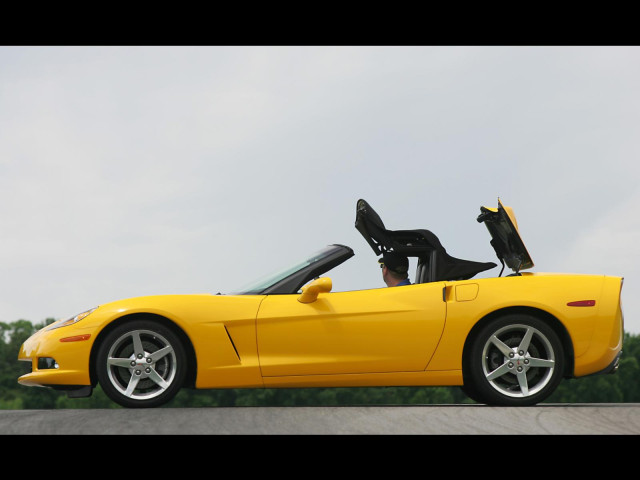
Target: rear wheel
x,y
514,360
141,364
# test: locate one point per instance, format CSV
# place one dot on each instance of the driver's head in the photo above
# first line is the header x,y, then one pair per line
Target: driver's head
x,y
397,266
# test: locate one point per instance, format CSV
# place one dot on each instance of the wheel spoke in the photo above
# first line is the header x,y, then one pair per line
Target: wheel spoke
x,y
526,340
522,381
119,362
500,345
138,349
541,362
155,356
133,383
158,379
498,372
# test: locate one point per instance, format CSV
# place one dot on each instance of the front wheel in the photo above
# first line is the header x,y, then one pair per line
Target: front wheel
x,y
141,364
515,360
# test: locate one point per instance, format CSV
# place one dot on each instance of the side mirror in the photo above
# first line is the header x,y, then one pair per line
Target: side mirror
x,y
310,292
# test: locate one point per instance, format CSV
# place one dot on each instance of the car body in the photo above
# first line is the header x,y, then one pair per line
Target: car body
x,y
506,340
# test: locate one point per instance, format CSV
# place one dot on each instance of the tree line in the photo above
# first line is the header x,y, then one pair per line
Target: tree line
x,y
621,387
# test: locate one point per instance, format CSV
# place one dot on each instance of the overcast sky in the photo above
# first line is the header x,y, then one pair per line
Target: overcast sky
x,y
128,171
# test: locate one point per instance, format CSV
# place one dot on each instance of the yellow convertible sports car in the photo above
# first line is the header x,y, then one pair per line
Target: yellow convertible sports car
x,y
506,340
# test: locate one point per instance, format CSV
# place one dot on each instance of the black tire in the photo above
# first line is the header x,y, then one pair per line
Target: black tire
x,y
470,392
141,364
515,360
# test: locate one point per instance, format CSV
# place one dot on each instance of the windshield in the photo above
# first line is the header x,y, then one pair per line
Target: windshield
x,y
260,285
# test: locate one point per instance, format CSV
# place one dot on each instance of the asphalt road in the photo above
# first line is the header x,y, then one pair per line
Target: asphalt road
x,y
574,419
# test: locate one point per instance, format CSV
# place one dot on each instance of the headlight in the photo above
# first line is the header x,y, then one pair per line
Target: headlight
x,y
71,321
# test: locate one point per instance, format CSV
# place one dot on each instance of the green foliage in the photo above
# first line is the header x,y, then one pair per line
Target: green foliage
x,y
620,387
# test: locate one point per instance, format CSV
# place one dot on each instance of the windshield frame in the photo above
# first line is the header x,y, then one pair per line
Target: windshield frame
x,y
289,280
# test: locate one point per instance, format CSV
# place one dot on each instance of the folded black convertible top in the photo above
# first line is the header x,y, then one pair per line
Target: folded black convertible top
x,y
434,263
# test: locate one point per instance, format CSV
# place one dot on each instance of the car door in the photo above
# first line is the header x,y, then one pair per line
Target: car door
x,y
367,331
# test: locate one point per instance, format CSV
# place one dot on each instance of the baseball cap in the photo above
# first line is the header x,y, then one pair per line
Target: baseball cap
x,y
395,262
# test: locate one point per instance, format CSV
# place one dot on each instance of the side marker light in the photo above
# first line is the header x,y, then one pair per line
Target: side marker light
x,y
77,338
582,303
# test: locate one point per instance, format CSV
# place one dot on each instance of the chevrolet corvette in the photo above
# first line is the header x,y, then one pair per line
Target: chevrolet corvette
x,y
504,339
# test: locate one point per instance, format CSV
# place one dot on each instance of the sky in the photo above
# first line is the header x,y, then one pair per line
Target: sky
x,y
129,171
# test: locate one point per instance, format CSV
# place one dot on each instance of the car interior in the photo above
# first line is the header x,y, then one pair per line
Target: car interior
x,y
434,263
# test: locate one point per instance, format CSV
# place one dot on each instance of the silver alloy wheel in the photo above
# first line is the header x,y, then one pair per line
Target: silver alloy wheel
x,y
141,364
518,360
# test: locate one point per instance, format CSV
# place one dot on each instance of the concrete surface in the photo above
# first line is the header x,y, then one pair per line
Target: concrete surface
x,y
576,419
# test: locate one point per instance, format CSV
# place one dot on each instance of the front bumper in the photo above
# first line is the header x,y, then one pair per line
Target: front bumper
x,y
58,357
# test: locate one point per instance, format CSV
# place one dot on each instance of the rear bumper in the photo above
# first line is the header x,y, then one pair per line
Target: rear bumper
x,y
611,368
607,336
